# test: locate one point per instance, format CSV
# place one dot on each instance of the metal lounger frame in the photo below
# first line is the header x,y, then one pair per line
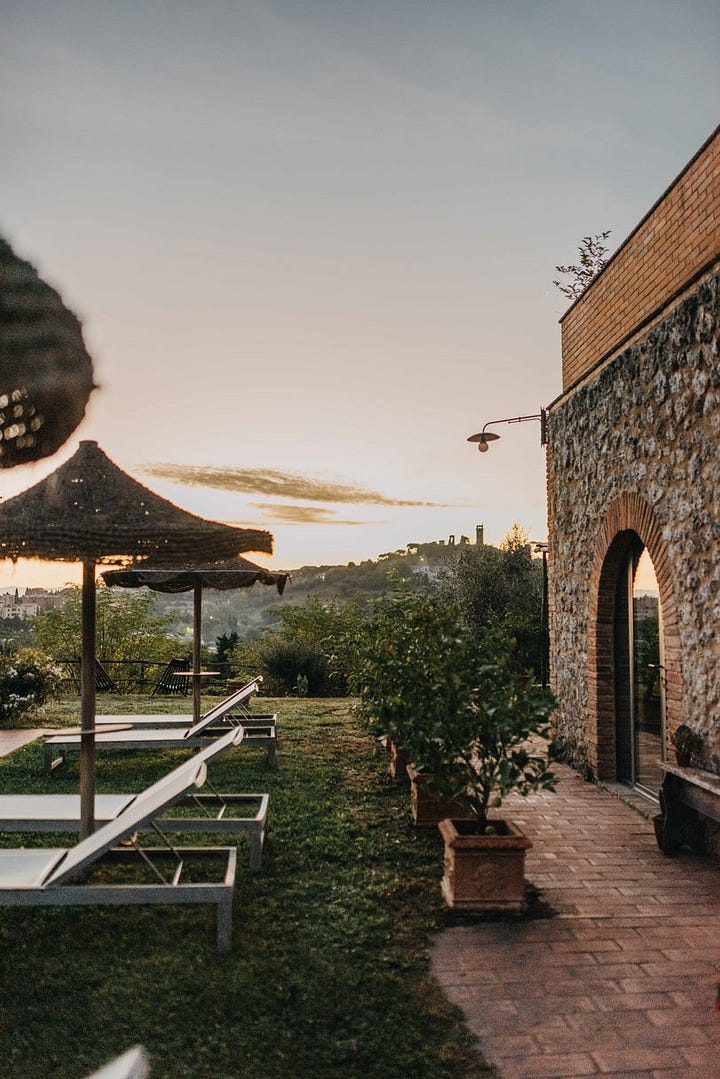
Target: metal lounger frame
x,y
216,821
219,894
264,736
31,876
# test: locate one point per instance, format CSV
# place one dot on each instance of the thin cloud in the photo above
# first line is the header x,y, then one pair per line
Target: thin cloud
x,y
266,481
300,515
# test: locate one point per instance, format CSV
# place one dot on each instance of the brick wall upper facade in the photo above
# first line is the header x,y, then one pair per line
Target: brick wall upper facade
x,y
676,241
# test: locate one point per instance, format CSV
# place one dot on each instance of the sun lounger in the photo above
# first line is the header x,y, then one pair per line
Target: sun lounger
x,y
261,731
131,1065
35,877
215,813
237,702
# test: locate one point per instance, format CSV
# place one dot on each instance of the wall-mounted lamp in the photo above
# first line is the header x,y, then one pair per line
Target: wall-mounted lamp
x,y
485,437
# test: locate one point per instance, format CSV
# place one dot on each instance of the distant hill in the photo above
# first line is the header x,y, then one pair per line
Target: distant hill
x,y
249,610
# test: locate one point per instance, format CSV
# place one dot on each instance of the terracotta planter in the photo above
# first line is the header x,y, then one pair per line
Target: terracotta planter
x,y
484,873
399,759
428,808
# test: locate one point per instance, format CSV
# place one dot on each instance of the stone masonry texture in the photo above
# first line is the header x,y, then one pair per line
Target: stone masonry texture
x,y
646,426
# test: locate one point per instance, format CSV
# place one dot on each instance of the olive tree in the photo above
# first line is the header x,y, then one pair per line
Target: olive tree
x,y
129,634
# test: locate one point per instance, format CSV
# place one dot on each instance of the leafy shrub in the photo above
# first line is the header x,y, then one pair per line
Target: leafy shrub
x,y
500,589
27,678
313,648
463,712
129,635
412,668
282,662
484,750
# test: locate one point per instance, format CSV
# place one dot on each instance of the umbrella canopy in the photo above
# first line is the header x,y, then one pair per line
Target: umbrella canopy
x,y
46,373
232,573
90,511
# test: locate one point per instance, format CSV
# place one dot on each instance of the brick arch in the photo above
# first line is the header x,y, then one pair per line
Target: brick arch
x,y
628,516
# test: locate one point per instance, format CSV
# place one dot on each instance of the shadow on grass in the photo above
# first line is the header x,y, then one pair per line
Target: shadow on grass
x,y
328,976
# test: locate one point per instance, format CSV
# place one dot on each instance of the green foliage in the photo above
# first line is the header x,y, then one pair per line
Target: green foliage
x,y
329,973
302,686
592,252
313,643
16,632
501,588
27,678
411,669
462,711
127,632
686,742
225,643
483,750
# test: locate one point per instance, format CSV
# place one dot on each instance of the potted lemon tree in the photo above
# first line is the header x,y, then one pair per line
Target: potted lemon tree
x,y
492,746
410,674
461,710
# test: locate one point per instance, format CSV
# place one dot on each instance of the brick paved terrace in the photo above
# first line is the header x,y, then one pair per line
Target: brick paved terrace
x,y
620,980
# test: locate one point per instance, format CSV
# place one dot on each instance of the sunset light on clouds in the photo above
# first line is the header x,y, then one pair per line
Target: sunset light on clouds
x,y
312,244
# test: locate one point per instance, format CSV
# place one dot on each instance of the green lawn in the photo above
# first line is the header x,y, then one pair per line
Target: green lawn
x,y
328,975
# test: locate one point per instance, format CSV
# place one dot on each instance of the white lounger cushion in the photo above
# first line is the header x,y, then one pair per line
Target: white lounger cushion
x,y
32,809
27,867
146,721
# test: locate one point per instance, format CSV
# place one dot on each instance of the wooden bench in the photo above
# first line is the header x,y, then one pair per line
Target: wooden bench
x,y
688,796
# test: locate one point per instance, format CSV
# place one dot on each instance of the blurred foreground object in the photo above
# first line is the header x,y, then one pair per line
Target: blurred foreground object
x,y
131,1065
46,373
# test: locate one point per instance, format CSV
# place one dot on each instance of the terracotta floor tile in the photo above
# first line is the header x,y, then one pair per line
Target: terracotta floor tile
x,y
564,1066
635,1059
620,983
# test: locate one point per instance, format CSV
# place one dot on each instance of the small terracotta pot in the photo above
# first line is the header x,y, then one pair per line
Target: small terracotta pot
x,y
484,873
399,759
428,808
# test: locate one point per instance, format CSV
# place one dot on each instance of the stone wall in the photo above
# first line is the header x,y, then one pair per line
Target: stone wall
x,y
643,431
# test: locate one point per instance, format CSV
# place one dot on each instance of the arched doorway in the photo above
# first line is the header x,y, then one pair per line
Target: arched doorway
x,y
639,671
625,736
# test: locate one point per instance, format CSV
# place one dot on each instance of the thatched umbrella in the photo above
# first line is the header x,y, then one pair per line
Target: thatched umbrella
x,y
46,373
90,511
230,574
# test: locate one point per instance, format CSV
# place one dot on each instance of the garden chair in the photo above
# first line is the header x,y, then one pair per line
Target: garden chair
x,y
169,684
215,813
35,877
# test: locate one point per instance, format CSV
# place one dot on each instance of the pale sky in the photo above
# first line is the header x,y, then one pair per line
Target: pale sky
x,y
312,242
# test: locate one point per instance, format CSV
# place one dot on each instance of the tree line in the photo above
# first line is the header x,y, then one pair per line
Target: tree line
x,y
313,649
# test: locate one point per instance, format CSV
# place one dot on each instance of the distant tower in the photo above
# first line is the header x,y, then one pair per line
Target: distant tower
x,y
451,541
479,535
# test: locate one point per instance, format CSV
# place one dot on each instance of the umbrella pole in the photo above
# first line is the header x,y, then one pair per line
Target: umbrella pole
x,y
87,703
197,642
